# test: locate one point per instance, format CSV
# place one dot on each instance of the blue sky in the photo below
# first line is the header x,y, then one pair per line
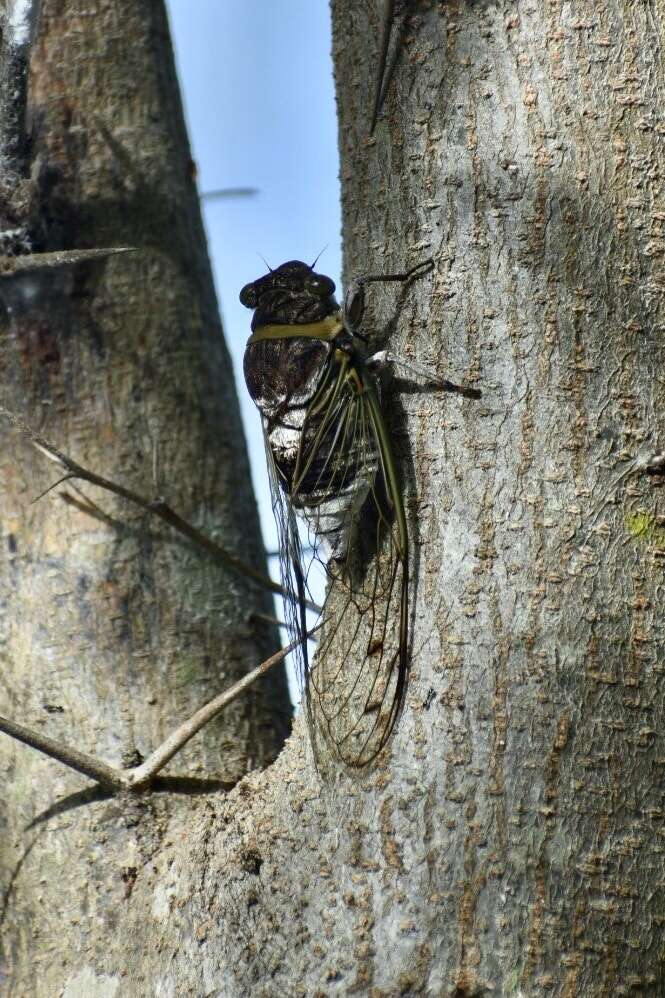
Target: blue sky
x,y
257,87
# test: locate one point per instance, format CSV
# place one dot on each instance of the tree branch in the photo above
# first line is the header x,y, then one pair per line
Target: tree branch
x,y
30,263
140,777
158,507
107,776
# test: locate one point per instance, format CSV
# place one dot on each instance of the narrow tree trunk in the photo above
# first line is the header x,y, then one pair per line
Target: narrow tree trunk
x,y
509,842
113,627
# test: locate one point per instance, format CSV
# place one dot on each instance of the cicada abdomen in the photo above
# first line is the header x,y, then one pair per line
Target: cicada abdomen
x,y
330,464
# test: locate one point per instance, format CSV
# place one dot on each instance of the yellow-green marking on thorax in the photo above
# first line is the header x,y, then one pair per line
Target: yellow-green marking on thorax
x,y
327,329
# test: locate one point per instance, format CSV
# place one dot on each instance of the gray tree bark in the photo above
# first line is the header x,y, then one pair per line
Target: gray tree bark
x,y
510,841
113,628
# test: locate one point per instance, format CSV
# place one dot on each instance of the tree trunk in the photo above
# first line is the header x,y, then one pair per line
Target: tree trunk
x,y
113,628
509,840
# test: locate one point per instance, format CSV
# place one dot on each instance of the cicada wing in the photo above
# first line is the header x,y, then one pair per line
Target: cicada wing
x,y
294,570
357,681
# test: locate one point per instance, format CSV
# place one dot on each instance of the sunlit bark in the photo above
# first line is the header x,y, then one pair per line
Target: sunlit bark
x,y
509,842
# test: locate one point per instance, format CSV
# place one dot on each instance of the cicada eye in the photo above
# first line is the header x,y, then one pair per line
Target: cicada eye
x,y
321,285
248,296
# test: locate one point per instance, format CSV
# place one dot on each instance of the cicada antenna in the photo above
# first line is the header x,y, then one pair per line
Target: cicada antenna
x,y
313,265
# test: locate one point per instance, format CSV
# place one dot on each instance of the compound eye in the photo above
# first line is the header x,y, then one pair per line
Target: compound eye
x,y
321,286
248,296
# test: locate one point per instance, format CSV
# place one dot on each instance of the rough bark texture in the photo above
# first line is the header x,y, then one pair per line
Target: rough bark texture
x,y
111,631
511,841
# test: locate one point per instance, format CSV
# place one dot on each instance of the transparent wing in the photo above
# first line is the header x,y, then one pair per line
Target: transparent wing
x,y
295,572
347,492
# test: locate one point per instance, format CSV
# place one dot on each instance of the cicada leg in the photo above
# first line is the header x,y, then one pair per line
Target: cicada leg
x,y
383,360
354,300
354,310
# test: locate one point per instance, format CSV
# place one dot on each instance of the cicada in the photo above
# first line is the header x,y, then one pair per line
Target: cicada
x,y
331,466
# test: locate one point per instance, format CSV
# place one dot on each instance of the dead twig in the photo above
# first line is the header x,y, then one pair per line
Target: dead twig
x,y
140,777
28,263
158,507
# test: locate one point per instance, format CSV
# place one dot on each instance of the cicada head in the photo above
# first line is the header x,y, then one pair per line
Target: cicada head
x,y
285,372
293,293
